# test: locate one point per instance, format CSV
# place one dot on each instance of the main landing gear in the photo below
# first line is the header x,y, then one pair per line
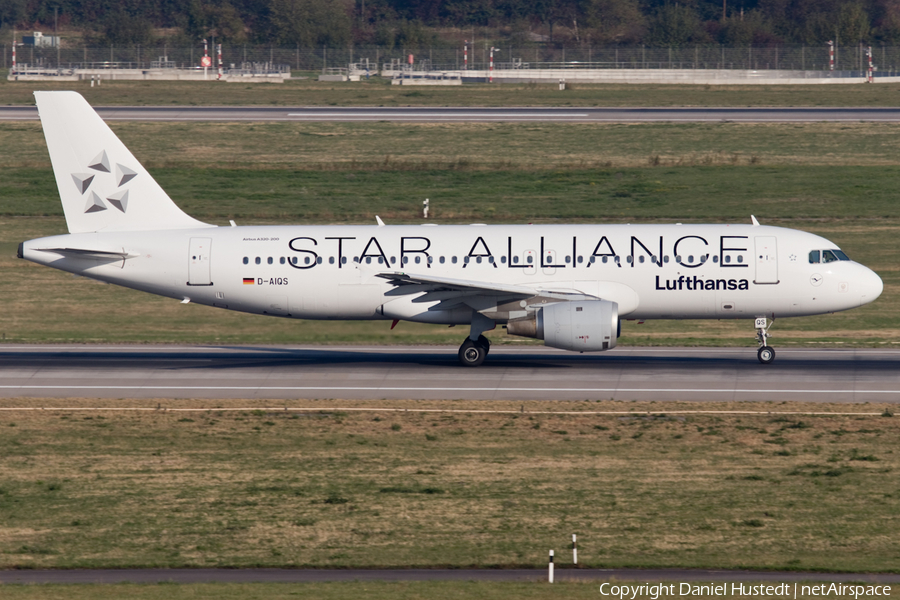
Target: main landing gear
x,y
766,353
476,347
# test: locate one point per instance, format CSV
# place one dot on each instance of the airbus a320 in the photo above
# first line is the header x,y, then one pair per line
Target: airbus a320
x,y
568,285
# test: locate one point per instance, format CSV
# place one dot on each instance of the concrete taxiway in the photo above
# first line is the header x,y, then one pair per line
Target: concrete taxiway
x,y
414,372
480,114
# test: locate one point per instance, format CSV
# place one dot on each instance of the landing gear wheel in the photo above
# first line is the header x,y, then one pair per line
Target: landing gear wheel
x,y
472,354
766,354
484,343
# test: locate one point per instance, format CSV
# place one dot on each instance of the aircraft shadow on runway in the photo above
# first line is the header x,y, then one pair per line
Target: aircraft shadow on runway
x,y
261,357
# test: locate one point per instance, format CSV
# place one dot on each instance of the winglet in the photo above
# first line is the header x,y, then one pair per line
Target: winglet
x,y
755,222
379,221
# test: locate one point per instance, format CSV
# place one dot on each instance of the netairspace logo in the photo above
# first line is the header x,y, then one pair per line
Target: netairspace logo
x,y
782,590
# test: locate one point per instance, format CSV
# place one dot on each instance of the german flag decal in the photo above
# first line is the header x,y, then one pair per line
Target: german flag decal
x,y
249,281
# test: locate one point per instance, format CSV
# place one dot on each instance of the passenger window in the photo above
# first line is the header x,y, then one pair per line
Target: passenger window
x,y
330,260
269,260
246,261
318,260
515,260
258,260
828,256
605,259
281,260
813,257
453,260
441,260
530,259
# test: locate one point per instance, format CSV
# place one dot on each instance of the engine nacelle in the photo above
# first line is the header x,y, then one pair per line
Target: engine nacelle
x,y
585,326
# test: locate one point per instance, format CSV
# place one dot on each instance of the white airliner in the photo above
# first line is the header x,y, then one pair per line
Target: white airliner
x,y
569,285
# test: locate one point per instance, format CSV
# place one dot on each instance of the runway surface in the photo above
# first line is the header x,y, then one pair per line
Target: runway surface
x,y
401,372
321,575
475,114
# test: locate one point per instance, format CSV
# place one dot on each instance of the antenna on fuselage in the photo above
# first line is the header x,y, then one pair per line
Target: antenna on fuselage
x,y
755,222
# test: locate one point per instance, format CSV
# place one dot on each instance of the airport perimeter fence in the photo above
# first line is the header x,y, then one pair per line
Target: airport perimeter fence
x,y
847,59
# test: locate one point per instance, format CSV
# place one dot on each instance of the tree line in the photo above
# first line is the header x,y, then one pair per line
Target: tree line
x,y
436,23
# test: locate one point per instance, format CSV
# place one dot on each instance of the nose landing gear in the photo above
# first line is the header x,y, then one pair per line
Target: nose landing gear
x,y
765,354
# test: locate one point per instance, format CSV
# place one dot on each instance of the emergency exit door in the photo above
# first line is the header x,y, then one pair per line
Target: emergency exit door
x,y
766,260
198,269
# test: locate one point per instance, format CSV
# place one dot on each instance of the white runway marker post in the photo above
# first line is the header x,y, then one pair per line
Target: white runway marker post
x,y
550,568
574,549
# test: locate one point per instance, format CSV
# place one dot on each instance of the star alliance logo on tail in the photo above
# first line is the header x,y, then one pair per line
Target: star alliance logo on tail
x,y
118,198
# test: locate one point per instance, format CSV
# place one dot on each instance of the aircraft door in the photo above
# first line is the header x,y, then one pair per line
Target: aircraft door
x,y
766,260
198,270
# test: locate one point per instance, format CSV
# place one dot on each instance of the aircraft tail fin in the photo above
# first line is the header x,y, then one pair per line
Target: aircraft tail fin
x,y
101,184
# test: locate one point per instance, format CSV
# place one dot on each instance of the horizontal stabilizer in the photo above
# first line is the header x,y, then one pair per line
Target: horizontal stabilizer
x,y
85,253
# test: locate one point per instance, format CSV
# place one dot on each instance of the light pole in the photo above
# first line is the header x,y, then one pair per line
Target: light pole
x,y
491,75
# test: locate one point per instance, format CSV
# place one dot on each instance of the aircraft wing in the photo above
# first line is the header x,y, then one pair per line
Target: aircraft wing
x,y
412,284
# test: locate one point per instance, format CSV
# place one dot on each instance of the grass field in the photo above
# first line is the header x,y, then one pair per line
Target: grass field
x,y
378,92
334,488
837,180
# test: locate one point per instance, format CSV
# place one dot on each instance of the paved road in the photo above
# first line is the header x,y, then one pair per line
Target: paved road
x,y
319,575
458,114
401,372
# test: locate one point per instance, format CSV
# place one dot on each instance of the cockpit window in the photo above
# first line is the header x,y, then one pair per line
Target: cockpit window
x,y
826,256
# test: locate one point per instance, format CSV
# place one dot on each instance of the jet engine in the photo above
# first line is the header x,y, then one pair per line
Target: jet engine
x,y
584,326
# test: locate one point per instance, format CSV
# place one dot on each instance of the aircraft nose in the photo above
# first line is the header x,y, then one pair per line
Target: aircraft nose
x,y
871,286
